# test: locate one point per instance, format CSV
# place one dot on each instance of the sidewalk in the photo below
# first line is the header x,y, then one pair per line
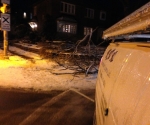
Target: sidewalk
x,y
40,74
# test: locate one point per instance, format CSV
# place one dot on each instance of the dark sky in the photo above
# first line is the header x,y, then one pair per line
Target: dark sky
x,y
122,8
115,4
21,4
118,8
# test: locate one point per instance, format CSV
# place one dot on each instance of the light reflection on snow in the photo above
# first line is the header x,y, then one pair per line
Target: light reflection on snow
x,y
12,61
40,75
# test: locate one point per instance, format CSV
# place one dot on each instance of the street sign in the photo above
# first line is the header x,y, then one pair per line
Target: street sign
x,y
5,1
5,22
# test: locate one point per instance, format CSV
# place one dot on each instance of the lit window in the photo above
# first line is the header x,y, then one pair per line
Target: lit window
x,y
89,13
67,8
24,15
66,28
102,15
87,30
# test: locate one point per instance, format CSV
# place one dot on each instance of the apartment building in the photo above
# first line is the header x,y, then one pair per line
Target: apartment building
x,y
70,19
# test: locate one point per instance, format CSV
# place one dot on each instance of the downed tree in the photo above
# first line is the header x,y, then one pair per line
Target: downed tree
x,y
78,57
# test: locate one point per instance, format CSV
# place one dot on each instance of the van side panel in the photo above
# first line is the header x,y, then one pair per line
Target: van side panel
x,y
110,67
122,85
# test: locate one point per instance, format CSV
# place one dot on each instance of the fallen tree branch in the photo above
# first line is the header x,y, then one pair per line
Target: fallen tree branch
x,y
79,42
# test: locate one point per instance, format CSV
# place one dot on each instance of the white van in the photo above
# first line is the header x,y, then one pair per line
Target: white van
x,y
123,83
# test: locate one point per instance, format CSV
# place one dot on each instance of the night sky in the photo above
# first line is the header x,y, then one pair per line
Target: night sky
x,y
119,8
20,4
131,5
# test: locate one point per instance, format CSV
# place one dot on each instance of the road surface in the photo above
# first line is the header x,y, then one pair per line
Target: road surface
x,y
68,107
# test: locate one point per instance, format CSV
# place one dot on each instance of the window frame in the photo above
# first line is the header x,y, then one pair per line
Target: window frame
x,y
89,13
66,27
101,15
87,30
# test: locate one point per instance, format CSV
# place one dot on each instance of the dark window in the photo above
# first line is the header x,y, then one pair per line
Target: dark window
x,y
89,13
102,15
67,8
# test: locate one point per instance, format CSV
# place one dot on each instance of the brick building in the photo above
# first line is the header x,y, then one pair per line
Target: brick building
x,y
70,20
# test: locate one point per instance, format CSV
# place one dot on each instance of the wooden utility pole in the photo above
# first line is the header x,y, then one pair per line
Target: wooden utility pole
x,y
5,35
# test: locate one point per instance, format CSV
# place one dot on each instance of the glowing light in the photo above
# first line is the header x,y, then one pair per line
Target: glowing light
x,y
126,60
33,25
24,15
13,61
3,8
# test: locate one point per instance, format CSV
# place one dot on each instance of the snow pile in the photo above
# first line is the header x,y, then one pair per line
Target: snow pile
x,y
40,74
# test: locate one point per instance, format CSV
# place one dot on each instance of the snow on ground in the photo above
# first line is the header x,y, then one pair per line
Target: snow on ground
x,y
38,74
34,46
26,53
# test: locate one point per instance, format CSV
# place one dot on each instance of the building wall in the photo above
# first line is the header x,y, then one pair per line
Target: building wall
x,y
52,8
40,10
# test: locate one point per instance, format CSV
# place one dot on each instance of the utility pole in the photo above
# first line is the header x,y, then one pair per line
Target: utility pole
x,y
5,23
5,35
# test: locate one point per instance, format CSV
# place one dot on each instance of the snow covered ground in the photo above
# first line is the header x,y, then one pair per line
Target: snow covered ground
x,y
40,74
